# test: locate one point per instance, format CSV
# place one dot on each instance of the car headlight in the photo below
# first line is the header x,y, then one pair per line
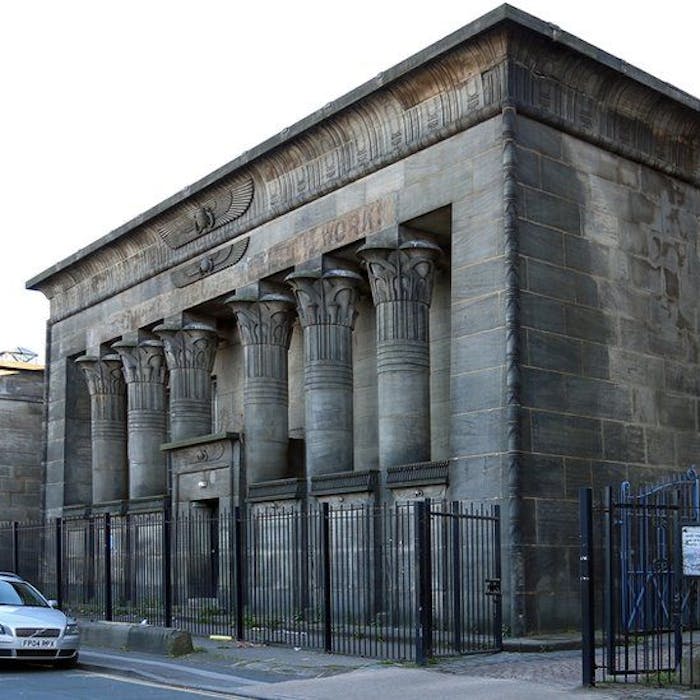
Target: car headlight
x,y
71,629
4,630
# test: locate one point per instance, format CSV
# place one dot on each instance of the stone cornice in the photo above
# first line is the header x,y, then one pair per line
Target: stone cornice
x,y
464,79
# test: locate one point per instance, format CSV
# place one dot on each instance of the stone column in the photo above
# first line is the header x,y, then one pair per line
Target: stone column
x,y
105,382
326,300
144,370
401,278
265,318
189,353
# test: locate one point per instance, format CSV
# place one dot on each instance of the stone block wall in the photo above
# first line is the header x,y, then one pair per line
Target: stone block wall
x,y
21,416
609,288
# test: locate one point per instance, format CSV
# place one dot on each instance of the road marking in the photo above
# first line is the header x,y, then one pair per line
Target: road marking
x,y
160,686
213,675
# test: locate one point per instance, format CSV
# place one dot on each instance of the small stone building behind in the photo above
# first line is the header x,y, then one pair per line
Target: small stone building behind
x,y
21,417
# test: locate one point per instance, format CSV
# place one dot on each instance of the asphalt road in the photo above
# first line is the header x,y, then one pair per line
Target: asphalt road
x,y
43,682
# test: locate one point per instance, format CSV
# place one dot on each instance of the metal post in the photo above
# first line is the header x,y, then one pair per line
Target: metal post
x,y
498,574
59,562
108,567
585,500
419,534
675,531
608,586
428,583
239,580
167,567
15,547
327,603
457,577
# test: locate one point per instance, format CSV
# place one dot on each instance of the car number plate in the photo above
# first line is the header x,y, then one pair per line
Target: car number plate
x,y
38,643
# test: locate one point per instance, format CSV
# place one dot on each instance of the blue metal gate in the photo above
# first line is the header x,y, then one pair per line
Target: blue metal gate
x,y
650,608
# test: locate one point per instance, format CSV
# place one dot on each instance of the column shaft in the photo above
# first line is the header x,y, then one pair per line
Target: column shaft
x,y
144,371
265,325
190,354
401,281
326,303
108,427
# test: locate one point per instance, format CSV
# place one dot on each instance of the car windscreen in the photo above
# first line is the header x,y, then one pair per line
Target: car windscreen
x,y
20,593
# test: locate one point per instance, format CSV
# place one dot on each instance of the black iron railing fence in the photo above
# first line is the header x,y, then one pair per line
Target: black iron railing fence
x,y
406,581
639,583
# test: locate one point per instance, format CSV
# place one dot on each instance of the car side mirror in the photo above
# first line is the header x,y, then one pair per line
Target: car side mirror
x,y
52,603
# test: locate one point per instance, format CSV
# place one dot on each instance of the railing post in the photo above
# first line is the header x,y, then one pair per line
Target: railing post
x,y
327,592
15,546
239,579
585,496
608,584
498,575
420,582
59,562
428,582
457,577
108,567
167,568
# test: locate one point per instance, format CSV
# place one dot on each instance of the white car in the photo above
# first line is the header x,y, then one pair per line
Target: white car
x,y
31,628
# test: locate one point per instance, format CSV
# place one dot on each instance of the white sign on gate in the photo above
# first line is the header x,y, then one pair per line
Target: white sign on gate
x,y
690,538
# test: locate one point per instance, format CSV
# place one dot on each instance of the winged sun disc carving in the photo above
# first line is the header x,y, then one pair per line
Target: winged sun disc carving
x,y
208,210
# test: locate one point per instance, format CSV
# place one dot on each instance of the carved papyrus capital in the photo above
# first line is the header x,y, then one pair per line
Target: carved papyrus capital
x,y
265,318
327,298
402,273
190,347
143,362
102,374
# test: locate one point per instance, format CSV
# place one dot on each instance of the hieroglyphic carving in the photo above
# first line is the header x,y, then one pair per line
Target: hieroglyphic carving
x,y
208,264
208,210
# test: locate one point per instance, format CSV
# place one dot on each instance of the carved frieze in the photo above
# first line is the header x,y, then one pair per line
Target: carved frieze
x,y
210,263
207,210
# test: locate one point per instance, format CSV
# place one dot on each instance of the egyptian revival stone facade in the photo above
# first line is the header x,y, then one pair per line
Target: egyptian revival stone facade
x,y
21,417
474,277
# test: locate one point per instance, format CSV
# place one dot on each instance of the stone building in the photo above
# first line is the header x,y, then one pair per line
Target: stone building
x,y
21,416
473,277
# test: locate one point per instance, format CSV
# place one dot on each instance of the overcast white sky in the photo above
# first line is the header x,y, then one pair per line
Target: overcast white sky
x,y
108,107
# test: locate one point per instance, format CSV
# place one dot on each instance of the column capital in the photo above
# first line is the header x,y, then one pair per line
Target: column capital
x,y
143,360
403,272
265,314
326,296
102,374
191,346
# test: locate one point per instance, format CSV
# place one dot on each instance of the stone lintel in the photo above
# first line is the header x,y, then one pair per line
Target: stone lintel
x,y
201,440
148,504
345,482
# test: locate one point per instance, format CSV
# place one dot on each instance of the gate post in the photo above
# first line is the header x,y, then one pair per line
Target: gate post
x,y
59,562
327,604
608,585
108,567
422,553
167,567
239,580
585,496
457,577
15,547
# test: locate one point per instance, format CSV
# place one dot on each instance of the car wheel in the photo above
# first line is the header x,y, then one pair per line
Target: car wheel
x,y
66,663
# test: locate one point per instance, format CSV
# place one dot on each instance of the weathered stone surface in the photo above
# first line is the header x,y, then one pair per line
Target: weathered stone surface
x,y
554,344
21,414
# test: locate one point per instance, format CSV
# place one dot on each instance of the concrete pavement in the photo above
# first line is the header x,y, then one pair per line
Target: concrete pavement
x,y
242,670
